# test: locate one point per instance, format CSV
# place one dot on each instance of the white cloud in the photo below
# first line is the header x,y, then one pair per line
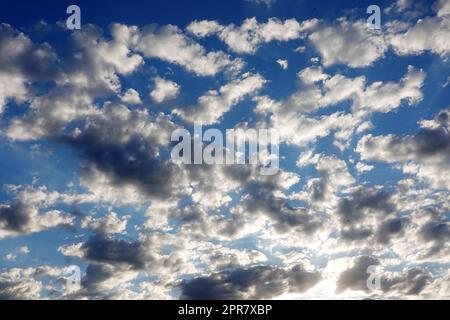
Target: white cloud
x,y
123,148
384,97
109,224
21,63
131,96
318,90
170,44
363,167
251,34
350,43
117,53
164,90
442,8
214,104
21,219
11,87
17,284
283,63
267,3
424,154
312,74
10,257
93,72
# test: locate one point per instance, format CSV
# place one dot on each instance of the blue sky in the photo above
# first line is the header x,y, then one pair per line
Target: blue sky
x,y
86,176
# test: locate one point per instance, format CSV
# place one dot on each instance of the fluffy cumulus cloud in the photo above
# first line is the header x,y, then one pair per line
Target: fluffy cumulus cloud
x,y
350,43
31,212
215,103
409,282
267,3
261,282
22,62
251,34
170,44
131,96
362,189
424,154
426,35
355,44
164,90
318,90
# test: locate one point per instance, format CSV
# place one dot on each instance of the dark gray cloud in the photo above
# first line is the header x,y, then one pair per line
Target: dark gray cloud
x,y
19,55
429,148
96,274
115,147
319,189
408,282
260,282
436,232
102,249
20,218
355,278
389,228
132,164
354,211
127,146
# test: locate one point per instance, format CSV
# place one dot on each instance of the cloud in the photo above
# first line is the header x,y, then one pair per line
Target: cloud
x,y
90,74
28,283
350,43
283,63
21,218
12,87
164,90
354,44
385,97
369,213
109,224
251,34
214,104
170,44
124,144
19,289
333,176
424,154
363,167
261,282
363,201
318,90
103,281
407,282
427,34
131,96
442,8
267,3
22,62
24,250
212,231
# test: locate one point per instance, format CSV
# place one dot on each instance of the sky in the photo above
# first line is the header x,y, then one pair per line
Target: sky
x,y
359,207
